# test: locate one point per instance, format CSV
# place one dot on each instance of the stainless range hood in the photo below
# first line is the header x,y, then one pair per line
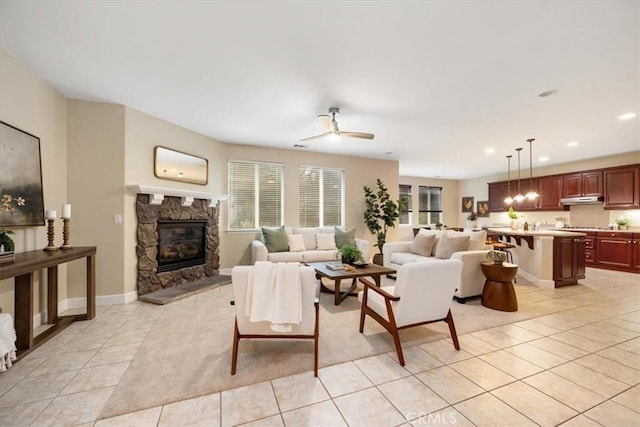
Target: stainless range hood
x,y
587,200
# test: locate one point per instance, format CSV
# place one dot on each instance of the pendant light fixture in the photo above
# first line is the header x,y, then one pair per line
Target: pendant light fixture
x,y
518,197
531,195
508,200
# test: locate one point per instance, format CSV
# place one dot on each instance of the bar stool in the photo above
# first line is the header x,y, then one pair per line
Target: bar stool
x,y
505,247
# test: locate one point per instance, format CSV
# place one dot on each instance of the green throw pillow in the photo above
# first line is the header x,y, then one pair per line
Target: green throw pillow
x,y
275,239
345,237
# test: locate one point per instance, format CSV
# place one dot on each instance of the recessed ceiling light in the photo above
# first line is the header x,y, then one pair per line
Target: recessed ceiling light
x,y
388,153
490,150
543,159
627,116
548,93
572,144
299,146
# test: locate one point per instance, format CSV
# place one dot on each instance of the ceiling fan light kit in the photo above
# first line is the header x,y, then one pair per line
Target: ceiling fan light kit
x,y
332,131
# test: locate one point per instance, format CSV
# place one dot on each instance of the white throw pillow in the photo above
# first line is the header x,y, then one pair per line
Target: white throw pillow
x,y
296,243
325,242
423,243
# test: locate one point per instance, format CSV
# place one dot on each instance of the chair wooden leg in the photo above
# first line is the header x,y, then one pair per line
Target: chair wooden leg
x,y
234,352
452,330
396,341
316,338
362,314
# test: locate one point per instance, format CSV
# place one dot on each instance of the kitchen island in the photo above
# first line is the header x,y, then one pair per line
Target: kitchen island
x,y
547,258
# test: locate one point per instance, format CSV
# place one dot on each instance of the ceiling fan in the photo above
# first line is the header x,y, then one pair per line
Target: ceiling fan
x,y
329,123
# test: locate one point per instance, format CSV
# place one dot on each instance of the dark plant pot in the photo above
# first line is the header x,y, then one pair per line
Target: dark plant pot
x,y
378,259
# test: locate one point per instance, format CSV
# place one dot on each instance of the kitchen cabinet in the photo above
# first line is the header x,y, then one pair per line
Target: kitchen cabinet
x,y
568,260
550,189
622,187
497,193
636,252
590,249
615,250
581,184
526,204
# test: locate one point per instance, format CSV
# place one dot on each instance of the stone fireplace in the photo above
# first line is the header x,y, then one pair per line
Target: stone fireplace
x,y
178,242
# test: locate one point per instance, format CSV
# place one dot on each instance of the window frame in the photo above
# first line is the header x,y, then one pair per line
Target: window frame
x,y
428,210
256,196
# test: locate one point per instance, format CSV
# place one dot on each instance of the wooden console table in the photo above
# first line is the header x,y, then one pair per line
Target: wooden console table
x,y
22,270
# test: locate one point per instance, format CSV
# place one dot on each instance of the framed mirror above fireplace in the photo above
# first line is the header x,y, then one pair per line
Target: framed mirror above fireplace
x,y
177,166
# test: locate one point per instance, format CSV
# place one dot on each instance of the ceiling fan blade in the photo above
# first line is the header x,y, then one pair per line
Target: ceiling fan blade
x,y
325,121
362,135
311,138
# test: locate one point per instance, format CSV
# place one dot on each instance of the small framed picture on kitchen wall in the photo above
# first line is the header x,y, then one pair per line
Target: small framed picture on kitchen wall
x,y
467,204
483,208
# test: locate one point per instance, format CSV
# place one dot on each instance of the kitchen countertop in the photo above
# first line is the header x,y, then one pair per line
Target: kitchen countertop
x,y
554,232
599,230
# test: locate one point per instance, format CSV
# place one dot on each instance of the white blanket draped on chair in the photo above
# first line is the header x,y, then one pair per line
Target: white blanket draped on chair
x,y
7,341
274,295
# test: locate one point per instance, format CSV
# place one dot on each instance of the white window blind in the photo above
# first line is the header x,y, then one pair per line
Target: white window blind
x,y
430,205
255,195
321,196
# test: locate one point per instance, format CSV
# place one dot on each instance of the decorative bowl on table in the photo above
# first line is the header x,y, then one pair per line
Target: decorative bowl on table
x,y
498,257
360,264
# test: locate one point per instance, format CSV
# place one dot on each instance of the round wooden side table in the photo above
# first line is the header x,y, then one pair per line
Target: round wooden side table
x,y
498,292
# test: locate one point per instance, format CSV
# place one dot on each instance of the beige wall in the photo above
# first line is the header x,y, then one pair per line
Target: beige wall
x,y
96,191
358,173
28,103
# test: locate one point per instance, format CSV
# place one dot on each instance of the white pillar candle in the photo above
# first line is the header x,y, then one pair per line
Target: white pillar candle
x,y
66,211
51,214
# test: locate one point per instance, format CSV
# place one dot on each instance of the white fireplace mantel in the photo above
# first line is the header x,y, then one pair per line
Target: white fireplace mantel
x,y
157,195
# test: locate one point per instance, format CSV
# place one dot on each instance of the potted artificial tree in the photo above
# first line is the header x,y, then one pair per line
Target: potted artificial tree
x,y
381,213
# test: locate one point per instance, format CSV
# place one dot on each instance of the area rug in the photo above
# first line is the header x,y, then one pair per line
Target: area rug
x,y
188,351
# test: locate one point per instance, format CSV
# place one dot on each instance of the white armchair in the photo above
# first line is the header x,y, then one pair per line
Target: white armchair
x,y
422,294
308,328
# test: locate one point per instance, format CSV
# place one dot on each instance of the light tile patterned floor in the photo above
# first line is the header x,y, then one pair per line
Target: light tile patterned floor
x,y
576,364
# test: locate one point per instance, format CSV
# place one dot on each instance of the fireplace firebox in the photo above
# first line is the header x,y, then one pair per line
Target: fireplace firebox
x,y
181,243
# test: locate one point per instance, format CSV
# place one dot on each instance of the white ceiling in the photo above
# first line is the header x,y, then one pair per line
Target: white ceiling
x,y
437,82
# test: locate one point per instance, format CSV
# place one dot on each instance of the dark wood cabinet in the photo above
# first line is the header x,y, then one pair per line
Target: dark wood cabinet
x,y
622,187
568,260
496,196
590,251
615,250
526,204
550,193
636,252
582,184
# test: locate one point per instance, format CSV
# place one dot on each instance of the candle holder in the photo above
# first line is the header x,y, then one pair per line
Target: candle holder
x,y
50,234
65,234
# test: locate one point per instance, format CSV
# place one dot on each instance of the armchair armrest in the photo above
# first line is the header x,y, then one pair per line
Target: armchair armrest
x,y
368,284
391,247
259,251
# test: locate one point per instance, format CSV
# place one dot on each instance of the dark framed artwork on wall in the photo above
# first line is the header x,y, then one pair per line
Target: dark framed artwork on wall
x,y
483,208
20,178
467,204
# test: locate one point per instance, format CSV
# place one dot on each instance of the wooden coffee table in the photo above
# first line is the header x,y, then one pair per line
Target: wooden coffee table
x,y
372,270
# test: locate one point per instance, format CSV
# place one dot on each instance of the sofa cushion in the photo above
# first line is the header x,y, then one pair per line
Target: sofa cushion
x,y
400,258
296,243
326,242
423,243
345,237
275,239
318,256
285,256
308,235
449,244
476,239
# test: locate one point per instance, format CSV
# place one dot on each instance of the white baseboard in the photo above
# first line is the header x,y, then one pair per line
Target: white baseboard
x,y
100,300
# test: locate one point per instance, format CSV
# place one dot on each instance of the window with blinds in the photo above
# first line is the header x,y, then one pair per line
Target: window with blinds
x,y
405,215
321,196
429,205
255,195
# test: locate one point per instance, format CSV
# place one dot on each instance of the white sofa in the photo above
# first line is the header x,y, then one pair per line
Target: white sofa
x,y
472,279
311,253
